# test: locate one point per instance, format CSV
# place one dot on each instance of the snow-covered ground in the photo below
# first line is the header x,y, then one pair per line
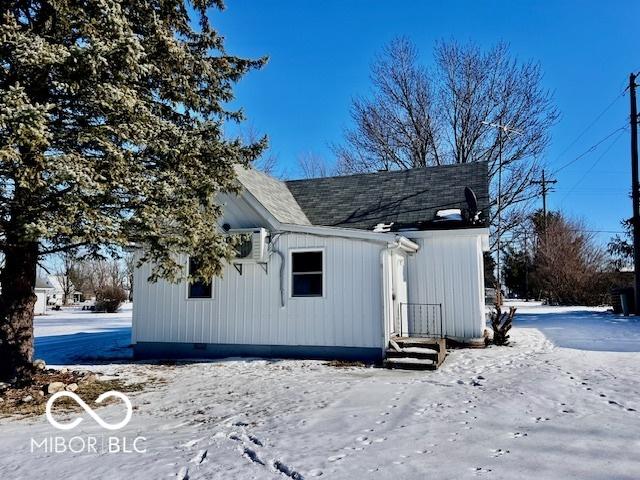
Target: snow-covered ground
x,y
72,336
532,410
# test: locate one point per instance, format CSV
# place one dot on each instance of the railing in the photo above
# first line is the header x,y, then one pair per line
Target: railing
x,y
423,320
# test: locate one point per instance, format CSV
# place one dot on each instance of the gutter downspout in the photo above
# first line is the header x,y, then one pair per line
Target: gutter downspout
x,y
387,289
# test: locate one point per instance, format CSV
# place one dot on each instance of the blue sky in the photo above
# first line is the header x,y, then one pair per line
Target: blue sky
x,y
320,53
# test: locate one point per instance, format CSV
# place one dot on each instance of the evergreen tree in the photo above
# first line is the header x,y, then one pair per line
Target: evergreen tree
x,y
489,270
516,271
620,247
111,132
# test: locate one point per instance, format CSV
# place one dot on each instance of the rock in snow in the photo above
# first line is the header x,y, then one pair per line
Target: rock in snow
x,y
39,364
55,387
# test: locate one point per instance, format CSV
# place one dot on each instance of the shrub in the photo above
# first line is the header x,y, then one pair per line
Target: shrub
x,y
501,323
109,298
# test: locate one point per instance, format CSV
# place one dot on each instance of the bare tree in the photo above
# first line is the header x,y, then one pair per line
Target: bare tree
x,y
129,267
312,165
417,117
65,272
90,274
570,267
267,162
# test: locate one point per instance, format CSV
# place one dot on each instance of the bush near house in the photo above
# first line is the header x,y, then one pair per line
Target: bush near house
x,y
110,298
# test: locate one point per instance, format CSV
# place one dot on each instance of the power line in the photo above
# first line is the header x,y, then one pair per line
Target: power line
x,y
590,149
516,235
588,127
594,163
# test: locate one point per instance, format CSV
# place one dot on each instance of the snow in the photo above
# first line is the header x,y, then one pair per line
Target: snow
x,y
581,328
449,214
536,409
73,335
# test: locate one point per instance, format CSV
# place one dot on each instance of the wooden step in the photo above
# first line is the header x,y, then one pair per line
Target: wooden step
x,y
436,344
410,363
414,352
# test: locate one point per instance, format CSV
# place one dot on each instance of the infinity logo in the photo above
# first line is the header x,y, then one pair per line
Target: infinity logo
x,y
89,410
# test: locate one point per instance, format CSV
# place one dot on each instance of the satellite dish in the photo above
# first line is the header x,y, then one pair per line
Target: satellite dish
x,y
471,199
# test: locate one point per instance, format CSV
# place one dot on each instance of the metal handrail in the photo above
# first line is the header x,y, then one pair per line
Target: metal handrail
x,y
423,320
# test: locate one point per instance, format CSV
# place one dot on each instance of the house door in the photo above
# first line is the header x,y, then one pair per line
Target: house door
x,y
399,295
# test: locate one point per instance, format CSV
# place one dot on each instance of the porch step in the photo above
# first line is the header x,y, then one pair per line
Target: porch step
x,y
415,353
436,344
410,363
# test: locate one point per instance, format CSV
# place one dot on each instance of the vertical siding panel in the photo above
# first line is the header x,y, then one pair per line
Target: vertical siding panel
x,y
246,309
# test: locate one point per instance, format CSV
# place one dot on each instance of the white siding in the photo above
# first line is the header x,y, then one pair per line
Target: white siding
x,y
40,307
246,309
448,269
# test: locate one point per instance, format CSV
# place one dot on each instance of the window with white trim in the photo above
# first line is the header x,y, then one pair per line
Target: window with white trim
x,y
307,273
198,289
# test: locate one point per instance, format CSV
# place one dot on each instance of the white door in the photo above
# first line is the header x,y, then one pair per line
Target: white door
x,y
399,295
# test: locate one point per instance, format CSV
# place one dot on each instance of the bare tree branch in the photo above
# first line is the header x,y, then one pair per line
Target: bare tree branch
x,y
417,117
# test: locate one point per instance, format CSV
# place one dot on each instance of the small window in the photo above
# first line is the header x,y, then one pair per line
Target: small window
x,y
306,274
198,289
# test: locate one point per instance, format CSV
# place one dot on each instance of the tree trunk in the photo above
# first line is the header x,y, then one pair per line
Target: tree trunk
x,y
17,299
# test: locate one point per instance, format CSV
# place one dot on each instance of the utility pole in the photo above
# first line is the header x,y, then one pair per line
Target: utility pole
x,y
544,184
633,118
502,129
526,268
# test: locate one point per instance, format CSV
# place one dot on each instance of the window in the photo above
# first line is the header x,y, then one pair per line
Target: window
x,y
198,289
306,274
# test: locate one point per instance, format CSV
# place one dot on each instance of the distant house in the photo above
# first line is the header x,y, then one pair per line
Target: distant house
x,y
332,268
42,290
57,294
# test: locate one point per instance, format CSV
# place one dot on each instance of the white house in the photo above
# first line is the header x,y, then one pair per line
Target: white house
x,y
336,267
42,290
56,296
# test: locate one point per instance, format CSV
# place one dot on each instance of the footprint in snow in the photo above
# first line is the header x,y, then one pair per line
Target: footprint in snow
x,y
183,474
498,452
518,434
286,470
255,440
200,456
541,419
252,455
480,470
335,458
315,473
191,443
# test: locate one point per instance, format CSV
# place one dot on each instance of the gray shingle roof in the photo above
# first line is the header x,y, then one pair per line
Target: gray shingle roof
x,y
42,283
273,195
403,197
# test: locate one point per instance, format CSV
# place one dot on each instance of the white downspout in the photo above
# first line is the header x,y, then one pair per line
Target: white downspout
x,y
387,290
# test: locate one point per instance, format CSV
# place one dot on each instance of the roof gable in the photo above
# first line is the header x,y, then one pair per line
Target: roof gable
x,y
273,195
